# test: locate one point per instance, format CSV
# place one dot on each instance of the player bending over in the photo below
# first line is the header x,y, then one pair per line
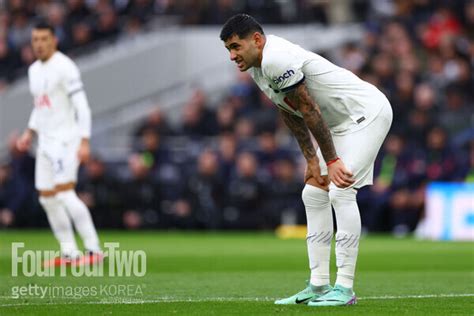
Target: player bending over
x,y
348,117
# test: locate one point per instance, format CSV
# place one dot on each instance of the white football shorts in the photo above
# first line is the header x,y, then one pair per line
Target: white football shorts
x,y
56,163
359,149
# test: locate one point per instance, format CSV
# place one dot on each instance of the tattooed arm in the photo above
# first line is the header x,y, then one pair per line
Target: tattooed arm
x,y
314,121
299,129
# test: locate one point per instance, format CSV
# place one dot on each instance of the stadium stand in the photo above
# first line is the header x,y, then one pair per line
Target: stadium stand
x,y
230,163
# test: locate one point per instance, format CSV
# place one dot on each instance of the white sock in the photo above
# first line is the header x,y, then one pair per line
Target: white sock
x,y
60,224
348,234
320,232
81,218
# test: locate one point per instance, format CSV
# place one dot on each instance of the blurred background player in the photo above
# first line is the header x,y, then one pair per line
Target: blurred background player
x,y
348,117
62,120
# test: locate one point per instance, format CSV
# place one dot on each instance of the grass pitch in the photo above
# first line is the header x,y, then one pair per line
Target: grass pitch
x,y
242,274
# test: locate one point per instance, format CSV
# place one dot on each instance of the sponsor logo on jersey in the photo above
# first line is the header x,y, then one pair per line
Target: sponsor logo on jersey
x,y
42,101
284,76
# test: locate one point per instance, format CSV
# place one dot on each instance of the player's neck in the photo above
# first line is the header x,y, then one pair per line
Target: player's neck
x,y
260,54
45,60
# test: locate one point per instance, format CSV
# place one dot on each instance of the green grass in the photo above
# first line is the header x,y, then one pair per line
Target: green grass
x,y
242,273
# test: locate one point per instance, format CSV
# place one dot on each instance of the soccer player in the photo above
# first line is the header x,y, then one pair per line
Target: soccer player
x,y
348,117
61,119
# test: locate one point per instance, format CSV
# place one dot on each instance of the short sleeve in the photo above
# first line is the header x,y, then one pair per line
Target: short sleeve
x,y
71,78
284,71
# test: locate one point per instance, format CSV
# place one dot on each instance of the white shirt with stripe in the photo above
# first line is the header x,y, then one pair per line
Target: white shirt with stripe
x,y
347,103
55,117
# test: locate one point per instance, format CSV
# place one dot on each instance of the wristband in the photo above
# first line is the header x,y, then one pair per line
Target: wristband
x,y
332,161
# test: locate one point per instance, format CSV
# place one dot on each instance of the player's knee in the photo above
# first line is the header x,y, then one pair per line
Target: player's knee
x,y
312,195
338,196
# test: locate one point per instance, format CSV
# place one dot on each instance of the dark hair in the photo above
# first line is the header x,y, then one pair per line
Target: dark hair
x,y
43,25
241,25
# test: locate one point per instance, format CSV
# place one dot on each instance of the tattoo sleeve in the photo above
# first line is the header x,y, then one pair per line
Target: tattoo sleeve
x,y
298,127
314,121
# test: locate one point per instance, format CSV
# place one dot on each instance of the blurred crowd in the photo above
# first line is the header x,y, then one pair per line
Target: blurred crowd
x,y
234,165
80,26
84,25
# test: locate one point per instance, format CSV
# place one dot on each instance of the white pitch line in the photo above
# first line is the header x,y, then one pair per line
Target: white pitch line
x,y
391,297
224,299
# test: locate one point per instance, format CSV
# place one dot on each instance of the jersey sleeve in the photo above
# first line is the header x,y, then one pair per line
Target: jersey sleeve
x,y
73,84
284,71
33,121
71,78
84,119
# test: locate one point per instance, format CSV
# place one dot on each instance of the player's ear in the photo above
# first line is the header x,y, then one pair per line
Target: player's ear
x,y
258,38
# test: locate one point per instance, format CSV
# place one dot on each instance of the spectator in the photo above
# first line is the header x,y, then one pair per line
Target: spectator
x,y
151,148
244,132
21,163
77,12
227,152
269,152
56,18
198,119
106,24
392,173
225,116
456,117
140,196
204,192
13,196
283,196
442,23
9,62
419,122
141,10
219,11
81,36
244,209
26,59
133,26
402,101
441,162
155,121
99,191
20,30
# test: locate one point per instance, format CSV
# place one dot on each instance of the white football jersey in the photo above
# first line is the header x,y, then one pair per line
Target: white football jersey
x,y
52,83
347,103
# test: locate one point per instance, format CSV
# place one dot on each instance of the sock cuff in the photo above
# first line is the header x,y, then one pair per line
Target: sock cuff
x,y
314,194
345,280
315,190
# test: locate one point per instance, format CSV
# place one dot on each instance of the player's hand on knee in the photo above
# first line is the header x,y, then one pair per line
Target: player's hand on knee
x,y
314,171
339,174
